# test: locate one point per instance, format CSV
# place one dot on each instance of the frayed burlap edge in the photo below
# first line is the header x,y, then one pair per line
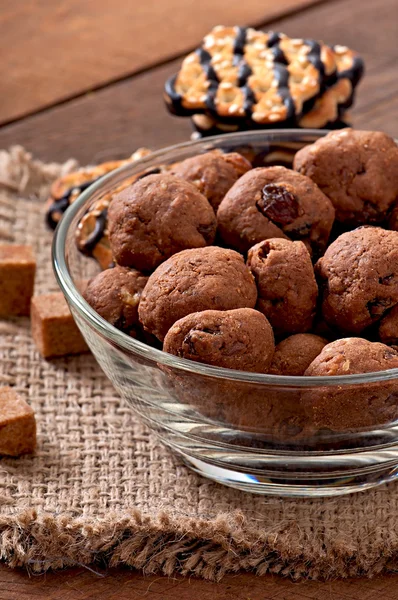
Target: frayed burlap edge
x,y
207,549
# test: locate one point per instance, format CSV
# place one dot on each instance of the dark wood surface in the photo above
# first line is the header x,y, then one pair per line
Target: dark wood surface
x,y
42,43
66,48
123,584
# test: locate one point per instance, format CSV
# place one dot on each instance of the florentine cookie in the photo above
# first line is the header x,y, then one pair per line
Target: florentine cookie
x,y
156,217
192,281
295,354
239,339
358,277
241,78
213,173
66,189
357,170
287,290
275,202
243,74
115,295
349,408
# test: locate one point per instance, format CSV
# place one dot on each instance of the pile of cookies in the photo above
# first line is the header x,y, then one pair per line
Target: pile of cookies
x,y
216,261
241,78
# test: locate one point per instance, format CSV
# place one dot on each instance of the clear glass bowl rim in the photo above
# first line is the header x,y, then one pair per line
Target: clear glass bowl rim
x,y
129,344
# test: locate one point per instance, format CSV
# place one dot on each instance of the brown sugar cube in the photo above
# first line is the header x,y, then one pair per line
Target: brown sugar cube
x,y
53,329
17,424
17,276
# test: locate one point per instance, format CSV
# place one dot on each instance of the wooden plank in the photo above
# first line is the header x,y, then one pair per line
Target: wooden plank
x,y
123,584
57,50
112,122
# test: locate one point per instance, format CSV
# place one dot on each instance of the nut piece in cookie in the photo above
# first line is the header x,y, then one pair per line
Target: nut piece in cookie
x,y
287,290
17,424
357,170
17,277
275,202
115,295
192,281
157,217
388,327
239,339
358,278
295,354
351,407
213,173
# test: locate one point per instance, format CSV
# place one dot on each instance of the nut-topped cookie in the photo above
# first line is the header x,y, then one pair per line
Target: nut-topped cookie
x,y
156,217
242,73
287,290
358,278
239,339
66,189
194,280
213,173
357,170
275,202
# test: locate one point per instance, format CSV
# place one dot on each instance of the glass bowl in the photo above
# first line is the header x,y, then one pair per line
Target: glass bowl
x,y
254,432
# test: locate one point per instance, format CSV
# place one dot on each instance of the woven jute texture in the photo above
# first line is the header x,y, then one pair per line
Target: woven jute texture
x,y
101,489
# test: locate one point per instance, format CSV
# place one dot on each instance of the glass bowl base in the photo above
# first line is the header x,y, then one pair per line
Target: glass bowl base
x,y
293,487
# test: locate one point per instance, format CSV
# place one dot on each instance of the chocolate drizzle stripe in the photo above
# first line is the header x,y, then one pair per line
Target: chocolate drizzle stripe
x,y
60,205
273,38
240,41
314,56
353,73
97,234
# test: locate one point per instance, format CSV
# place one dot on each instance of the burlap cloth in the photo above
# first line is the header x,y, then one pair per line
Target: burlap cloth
x,y
102,489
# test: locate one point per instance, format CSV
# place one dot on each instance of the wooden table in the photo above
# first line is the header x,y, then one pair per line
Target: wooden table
x,y
84,79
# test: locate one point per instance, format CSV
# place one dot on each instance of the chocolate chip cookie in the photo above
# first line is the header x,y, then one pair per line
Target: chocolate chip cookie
x,y
275,202
192,281
357,170
358,277
156,217
213,173
239,339
295,354
115,295
351,407
287,290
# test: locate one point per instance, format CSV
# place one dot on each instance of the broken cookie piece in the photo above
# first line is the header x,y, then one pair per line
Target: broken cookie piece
x,y
17,424
53,328
17,276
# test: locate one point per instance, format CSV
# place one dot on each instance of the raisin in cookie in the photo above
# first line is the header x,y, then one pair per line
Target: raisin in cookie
x,y
275,202
358,276
234,339
156,217
357,170
192,281
287,290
